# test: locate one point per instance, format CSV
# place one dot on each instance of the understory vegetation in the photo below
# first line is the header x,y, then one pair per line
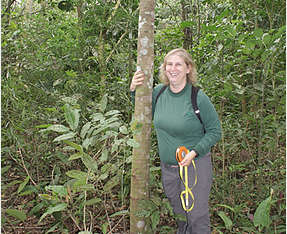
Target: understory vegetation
x,y
67,132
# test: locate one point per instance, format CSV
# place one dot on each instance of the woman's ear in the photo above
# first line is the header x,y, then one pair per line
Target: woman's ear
x,y
188,69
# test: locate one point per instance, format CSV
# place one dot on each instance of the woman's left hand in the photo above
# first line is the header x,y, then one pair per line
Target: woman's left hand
x,y
188,158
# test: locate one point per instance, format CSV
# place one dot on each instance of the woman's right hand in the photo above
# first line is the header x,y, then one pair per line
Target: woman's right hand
x,y
137,80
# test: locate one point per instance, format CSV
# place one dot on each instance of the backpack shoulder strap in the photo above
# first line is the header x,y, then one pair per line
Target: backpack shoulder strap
x,y
194,91
159,93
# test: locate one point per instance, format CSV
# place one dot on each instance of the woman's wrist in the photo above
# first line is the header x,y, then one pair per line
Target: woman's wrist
x,y
193,154
132,88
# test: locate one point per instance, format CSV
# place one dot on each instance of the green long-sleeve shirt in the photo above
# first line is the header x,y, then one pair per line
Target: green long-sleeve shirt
x,y
177,125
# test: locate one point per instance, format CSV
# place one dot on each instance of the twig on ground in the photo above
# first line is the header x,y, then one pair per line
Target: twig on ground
x,y
116,224
25,168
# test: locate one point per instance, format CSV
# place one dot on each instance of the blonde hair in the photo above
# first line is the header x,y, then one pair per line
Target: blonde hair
x,y
191,77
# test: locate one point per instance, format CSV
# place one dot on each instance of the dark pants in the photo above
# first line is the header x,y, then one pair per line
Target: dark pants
x,y
197,220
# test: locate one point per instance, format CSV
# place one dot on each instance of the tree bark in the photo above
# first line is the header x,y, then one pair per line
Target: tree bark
x,y
188,37
142,118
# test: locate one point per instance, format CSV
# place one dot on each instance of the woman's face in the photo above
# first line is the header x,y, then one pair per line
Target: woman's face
x,y
176,70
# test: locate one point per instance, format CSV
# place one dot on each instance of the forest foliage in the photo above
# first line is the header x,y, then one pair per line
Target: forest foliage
x,y
67,130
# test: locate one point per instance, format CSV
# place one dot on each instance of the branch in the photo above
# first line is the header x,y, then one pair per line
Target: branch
x,y
118,42
23,164
31,13
114,12
116,224
107,214
8,8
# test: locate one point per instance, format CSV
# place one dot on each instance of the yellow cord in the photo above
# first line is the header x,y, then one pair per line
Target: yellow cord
x,y
187,191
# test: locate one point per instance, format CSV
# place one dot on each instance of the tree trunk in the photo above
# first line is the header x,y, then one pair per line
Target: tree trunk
x,y
142,118
188,39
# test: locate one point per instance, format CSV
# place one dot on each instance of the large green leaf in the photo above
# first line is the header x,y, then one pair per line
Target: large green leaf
x,y
75,156
89,162
53,209
58,128
104,156
121,212
58,189
103,103
23,184
155,218
18,214
66,136
72,116
92,201
262,213
76,174
112,112
74,145
227,221
85,129
111,183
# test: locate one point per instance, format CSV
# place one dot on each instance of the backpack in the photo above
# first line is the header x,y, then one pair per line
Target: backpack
x,y
194,91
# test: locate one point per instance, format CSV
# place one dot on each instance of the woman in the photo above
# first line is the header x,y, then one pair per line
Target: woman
x,y
176,125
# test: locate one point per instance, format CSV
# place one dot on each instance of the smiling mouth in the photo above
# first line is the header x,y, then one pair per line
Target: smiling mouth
x,y
173,74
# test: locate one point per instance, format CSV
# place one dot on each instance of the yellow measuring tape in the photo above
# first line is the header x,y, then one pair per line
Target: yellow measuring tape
x,y
180,154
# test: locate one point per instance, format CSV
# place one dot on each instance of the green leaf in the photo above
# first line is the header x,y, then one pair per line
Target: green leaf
x,y
65,136
112,112
262,213
16,214
57,82
71,73
58,189
23,184
85,129
104,156
46,197
133,143
226,206
51,210
89,162
53,228
85,187
155,217
36,208
103,176
43,126
75,156
105,227
72,116
77,183
111,183
121,212
70,100
87,142
5,169
98,117
58,128
266,39
74,145
123,130
258,32
227,221
92,201
76,174
103,103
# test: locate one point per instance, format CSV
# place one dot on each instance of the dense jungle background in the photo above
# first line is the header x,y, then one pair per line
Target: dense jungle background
x,y
66,137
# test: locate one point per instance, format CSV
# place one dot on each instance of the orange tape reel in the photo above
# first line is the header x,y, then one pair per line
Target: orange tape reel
x,y
180,153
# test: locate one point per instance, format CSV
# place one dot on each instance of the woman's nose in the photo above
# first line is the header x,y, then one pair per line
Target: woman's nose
x,y
173,67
